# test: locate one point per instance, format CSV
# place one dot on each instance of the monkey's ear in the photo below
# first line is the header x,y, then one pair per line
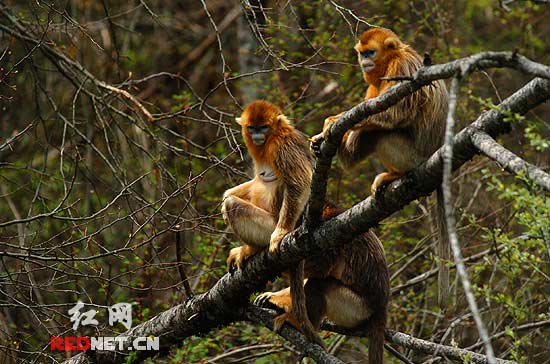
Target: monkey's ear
x,y
283,119
391,43
239,121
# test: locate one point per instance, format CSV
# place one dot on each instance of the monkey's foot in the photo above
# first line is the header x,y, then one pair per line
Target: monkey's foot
x,y
383,179
279,321
237,256
234,259
280,300
263,299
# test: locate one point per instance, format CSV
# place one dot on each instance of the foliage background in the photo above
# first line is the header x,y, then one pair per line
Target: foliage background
x,y
93,194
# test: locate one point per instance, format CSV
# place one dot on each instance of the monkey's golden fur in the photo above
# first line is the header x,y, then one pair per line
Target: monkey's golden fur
x,y
262,211
404,135
348,286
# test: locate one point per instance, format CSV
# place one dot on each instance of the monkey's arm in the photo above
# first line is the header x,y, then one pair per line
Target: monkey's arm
x,y
294,167
392,118
400,115
293,205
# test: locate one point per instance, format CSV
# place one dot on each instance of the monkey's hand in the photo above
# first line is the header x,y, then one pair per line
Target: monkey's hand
x,y
276,236
316,140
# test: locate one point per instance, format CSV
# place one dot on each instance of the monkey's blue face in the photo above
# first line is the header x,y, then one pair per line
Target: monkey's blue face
x,y
258,133
366,59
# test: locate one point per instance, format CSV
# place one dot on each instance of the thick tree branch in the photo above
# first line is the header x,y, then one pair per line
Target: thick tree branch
x,y
216,307
265,317
424,76
508,160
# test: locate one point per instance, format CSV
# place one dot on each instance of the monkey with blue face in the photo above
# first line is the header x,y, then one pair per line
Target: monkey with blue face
x,y
348,286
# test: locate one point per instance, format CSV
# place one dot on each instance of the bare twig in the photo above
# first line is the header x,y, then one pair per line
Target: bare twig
x,y
451,223
432,272
179,261
397,354
212,37
15,137
130,97
429,347
529,326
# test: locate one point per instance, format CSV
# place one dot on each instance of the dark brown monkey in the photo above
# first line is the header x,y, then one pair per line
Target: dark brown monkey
x,y
348,286
263,210
404,135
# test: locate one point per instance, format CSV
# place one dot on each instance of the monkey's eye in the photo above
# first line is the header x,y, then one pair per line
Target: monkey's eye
x,y
262,129
369,53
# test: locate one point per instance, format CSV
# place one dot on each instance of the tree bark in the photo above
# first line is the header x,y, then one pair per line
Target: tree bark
x,y
218,306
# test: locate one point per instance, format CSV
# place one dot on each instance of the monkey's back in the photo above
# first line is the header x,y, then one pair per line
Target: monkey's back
x,y
360,265
366,271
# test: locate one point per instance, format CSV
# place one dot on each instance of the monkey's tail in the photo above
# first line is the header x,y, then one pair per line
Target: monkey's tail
x,y
299,309
443,251
376,342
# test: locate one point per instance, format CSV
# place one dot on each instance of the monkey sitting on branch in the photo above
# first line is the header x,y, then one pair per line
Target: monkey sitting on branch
x,y
350,285
263,210
404,135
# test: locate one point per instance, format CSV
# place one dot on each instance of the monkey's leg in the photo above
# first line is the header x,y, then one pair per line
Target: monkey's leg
x,y
252,224
396,151
282,299
241,191
356,145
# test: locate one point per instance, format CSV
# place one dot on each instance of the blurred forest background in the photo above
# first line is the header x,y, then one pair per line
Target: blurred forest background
x,y
95,189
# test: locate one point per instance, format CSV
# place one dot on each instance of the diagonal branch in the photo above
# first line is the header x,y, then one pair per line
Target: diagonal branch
x,y
422,346
217,306
428,347
511,162
72,70
423,77
265,317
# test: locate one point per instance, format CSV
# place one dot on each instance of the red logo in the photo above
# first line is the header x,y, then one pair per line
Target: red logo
x,y
81,343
